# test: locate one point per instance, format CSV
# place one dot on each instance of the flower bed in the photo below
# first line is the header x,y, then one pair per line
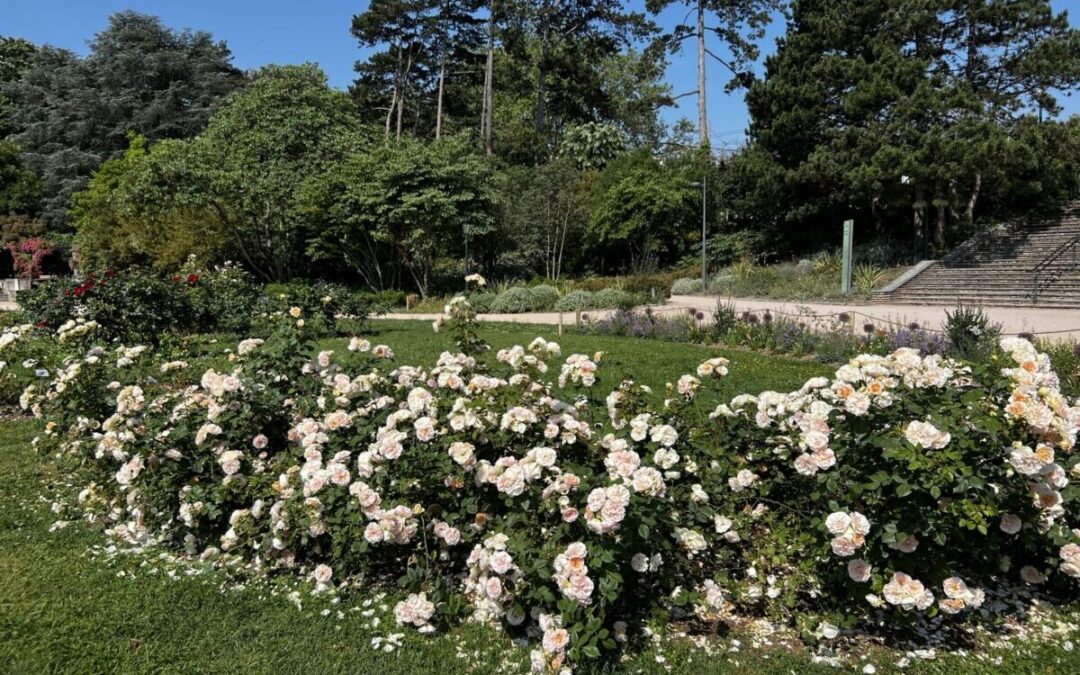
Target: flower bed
x,y
525,494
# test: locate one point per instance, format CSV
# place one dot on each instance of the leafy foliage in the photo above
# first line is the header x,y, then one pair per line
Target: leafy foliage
x,y
415,198
971,332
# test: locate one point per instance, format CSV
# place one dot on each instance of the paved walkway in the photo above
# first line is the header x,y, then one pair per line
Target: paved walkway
x,y
1052,323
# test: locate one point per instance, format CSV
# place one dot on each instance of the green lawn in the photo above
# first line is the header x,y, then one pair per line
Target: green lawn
x,y
650,362
63,610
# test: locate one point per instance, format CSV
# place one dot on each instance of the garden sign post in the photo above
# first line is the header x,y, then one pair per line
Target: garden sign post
x,y
845,274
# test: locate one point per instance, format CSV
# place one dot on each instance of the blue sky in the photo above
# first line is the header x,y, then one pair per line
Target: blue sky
x,y
293,31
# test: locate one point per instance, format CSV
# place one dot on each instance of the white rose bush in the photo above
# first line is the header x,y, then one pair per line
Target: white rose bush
x,y
519,492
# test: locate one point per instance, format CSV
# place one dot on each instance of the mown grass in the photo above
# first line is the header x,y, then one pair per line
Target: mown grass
x,y
64,611
649,362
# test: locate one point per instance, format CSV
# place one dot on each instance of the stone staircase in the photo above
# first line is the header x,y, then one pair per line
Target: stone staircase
x,y
1001,267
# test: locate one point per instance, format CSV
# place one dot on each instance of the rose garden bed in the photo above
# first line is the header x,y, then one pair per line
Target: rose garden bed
x,y
522,492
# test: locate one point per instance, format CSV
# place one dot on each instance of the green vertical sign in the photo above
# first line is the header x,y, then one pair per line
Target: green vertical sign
x,y
845,274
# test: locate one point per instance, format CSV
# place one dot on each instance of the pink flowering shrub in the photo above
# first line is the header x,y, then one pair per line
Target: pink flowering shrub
x,y
520,493
28,255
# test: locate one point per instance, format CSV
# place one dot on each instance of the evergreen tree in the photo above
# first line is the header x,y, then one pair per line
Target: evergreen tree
x,y
70,114
878,109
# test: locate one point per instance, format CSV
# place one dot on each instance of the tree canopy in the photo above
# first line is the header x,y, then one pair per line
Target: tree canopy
x,y
69,114
525,138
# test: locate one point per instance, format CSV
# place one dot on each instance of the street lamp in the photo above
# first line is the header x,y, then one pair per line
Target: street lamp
x,y
704,268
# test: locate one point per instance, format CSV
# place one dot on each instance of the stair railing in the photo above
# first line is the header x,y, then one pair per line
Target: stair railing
x,y
1043,271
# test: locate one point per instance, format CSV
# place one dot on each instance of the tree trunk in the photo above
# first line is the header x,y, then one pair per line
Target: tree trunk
x,y
541,78
969,213
918,221
401,94
394,96
703,119
438,106
489,74
939,227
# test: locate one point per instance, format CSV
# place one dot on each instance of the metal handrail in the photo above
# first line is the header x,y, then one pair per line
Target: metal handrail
x,y
1043,266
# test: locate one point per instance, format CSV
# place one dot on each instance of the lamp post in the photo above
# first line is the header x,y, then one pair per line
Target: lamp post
x,y
704,268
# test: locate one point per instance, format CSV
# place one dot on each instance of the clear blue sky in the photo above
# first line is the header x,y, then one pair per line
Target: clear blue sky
x,y
293,31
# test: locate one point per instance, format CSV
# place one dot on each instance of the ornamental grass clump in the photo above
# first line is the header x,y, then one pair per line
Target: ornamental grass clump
x,y
521,492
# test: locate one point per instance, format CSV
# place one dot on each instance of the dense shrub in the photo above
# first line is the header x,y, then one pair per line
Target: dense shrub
x,y
387,299
685,286
613,298
140,305
28,255
575,301
137,305
49,303
543,297
971,332
512,300
24,359
825,339
329,309
653,287
133,306
483,301
1065,358
625,322
221,299
518,299
903,486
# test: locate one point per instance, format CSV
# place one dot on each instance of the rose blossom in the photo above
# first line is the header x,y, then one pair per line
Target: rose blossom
x,y
1010,523
859,570
323,573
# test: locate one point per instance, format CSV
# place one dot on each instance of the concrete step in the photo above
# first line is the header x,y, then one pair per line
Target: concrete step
x,y
998,267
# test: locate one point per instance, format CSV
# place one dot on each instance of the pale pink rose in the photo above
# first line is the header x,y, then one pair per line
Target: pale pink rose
x,y
577,550
555,641
859,570
806,465
824,458
908,545
859,523
373,533
955,587
323,573
838,522
843,547
501,562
